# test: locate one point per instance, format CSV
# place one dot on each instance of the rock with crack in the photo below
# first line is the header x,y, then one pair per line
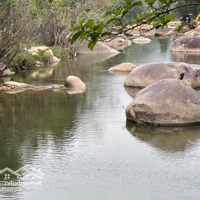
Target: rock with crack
x,y
150,73
168,102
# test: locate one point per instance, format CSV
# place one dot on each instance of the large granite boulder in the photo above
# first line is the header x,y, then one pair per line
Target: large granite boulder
x,y
150,73
169,102
100,48
188,44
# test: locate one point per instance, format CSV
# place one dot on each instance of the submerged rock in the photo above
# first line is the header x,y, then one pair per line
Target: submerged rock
x,y
123,67
150,73
188,44
75,85
100,48
168,102
142,40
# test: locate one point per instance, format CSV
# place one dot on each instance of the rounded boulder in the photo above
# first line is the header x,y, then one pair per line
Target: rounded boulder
x,y
150,73
123,67
168,102
75,84
187,44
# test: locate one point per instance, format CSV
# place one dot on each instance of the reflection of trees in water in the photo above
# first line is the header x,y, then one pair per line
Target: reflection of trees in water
x,y
164,44
192,58
171,139
29,118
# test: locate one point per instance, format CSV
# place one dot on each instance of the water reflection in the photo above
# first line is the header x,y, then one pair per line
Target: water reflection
x,y
171,139
29,115
192,58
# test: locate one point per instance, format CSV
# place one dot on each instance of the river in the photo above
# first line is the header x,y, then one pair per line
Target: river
x,y
82,145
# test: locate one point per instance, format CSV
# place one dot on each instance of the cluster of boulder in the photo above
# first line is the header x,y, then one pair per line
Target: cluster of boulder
x,y
47,51
112,45
170,30
168,97
73,85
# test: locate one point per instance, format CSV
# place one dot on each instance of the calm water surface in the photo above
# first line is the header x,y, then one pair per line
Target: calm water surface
x,y
83,144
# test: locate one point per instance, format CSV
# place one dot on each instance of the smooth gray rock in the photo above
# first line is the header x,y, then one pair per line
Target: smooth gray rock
x,y
150,73
100,48
187,44
169,102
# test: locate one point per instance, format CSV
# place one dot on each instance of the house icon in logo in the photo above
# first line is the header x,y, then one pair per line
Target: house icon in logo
x,y
29,173
7,174
24,174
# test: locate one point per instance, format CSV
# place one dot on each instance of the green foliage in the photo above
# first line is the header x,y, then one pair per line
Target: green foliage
x,y
61,52
22,60
156,13
42,57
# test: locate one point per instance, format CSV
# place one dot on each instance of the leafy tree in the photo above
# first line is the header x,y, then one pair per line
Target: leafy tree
x,y
158,13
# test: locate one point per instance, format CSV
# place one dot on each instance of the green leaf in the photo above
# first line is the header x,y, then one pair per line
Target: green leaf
x,y
81,22
138,16
75,37
137,3
105,34
90,23
128,2
91,44
50,1
180,27
150,2
120,30
99,28
94,36
75,28
156,24
163,1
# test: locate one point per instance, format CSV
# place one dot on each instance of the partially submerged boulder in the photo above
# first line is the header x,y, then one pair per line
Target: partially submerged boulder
x,y
75,84
168,102
142,40
100,48
163,32
150,73
16,84
119,43
123,67
187,44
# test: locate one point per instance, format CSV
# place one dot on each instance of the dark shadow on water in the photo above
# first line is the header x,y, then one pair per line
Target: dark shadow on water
x,y
132,92
173,139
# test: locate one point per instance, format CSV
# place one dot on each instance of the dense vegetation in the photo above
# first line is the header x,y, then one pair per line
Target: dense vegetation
x,y
24,23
